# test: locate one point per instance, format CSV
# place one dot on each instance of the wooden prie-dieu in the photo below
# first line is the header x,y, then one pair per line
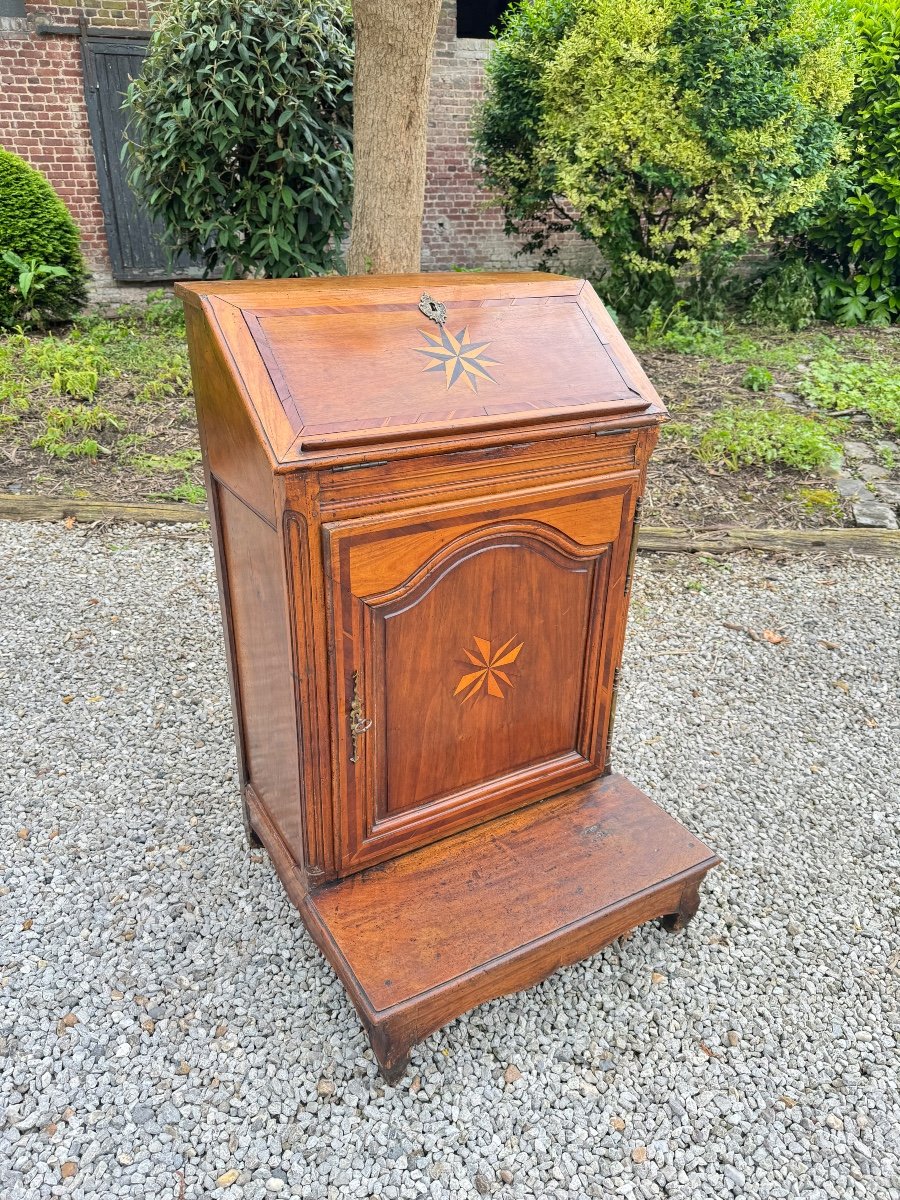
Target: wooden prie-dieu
x,y
424,493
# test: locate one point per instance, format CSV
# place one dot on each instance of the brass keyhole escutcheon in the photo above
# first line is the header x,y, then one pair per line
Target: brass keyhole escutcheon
x,y
359,723
432,309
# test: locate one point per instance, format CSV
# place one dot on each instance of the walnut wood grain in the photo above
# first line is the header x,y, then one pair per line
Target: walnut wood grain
x,y
433,581
537,348
493,910
424,612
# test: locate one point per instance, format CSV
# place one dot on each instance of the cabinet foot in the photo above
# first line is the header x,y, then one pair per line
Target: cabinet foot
x,y
392,1043
394,1073
674,922
252,837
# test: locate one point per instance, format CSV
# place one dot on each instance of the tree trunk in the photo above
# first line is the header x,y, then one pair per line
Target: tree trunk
x,y
394,44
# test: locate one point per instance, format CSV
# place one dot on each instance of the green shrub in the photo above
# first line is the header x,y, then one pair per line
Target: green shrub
x,y
668,132
753,435
677,330
782,296
853,243
240,133
36,230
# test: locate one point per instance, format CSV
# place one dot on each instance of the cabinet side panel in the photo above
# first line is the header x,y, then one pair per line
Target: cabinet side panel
x,y
263,677
231,443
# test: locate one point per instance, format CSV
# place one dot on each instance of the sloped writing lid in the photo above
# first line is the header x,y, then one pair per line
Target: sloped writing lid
x,y
358,365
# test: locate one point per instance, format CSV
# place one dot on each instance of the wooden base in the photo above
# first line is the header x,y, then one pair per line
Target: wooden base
x,y
421,939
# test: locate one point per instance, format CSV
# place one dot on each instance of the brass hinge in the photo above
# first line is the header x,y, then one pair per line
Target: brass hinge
x,y
359,466
613,699
358,723
632,554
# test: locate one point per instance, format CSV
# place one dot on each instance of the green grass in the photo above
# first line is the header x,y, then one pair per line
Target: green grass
x,y
837,383
677,431
190,493
62,437
757,435
86,381
14,402
155,464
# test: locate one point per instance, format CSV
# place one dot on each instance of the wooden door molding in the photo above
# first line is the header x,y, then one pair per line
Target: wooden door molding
x,y
393,797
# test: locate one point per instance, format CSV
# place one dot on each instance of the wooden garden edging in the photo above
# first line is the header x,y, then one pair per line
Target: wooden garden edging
x,y
49,508
870,543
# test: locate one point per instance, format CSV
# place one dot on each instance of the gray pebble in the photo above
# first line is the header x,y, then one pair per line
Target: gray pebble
x,y
791,779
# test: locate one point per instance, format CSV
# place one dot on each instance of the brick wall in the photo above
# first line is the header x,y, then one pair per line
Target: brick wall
x,y
43,118
462,227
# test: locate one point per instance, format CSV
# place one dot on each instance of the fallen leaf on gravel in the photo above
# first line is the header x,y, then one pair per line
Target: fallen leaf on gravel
x,y
69,523
228,1178
841,686
829,645
27,924
709,1053
67,699
657,977
54,833
148,1025
787,1101
773,638
871,722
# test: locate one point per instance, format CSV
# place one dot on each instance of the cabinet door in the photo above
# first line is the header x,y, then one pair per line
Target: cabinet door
x,y
474,648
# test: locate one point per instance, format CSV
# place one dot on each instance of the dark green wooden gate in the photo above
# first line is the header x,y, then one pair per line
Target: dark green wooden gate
x,y
135,249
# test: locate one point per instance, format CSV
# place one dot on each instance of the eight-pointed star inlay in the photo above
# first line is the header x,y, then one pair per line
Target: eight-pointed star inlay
x,y
489,672
456,356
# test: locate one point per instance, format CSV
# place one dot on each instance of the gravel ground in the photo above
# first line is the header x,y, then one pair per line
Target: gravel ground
x,y
168,1030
